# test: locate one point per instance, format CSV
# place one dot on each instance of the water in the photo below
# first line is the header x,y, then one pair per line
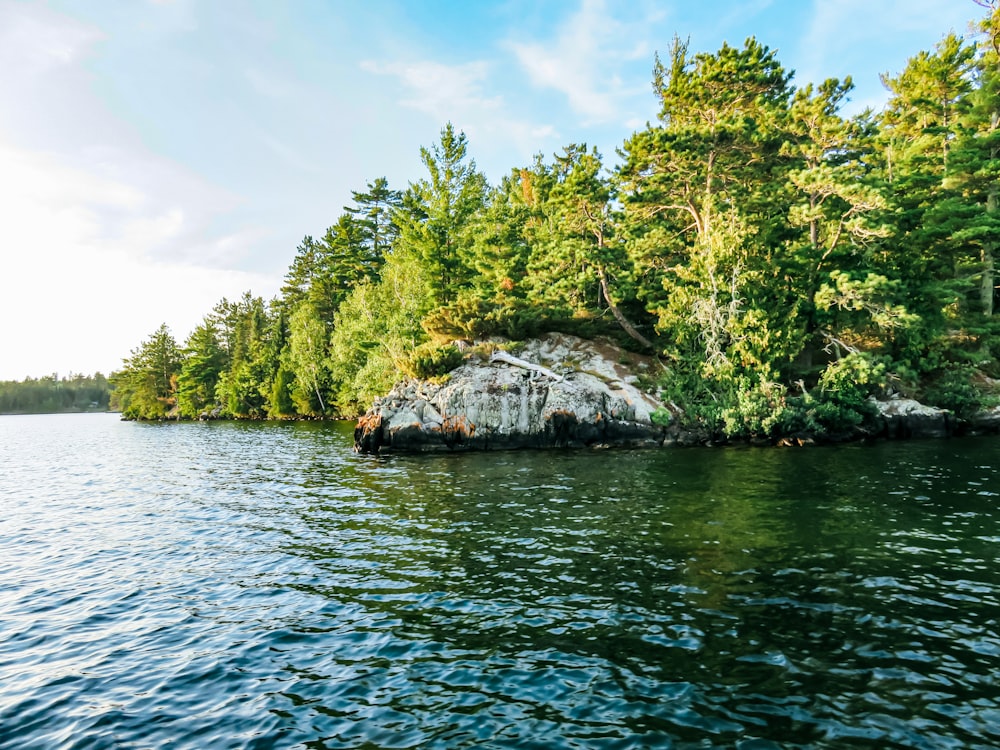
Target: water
x,y
259,586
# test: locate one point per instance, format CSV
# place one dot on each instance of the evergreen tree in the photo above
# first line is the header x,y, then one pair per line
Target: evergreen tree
x,y
375,210
580,258
345,261
716,150
146,386
974,168
436,216
248,335
203,364
302,272
921,123
835,202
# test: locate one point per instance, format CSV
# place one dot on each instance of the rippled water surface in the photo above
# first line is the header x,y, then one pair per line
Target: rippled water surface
x,y
259,586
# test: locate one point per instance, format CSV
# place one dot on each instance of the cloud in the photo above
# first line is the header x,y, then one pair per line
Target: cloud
x,y
441,90
458,94
584,59
78,290
38,39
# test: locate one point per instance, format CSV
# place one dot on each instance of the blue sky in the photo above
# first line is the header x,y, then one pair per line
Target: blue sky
x,y
157,155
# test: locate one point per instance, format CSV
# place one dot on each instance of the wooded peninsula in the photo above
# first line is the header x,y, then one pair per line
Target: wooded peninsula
x,y
782,261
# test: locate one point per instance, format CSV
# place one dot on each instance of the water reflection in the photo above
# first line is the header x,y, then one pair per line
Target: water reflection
x,y
705,574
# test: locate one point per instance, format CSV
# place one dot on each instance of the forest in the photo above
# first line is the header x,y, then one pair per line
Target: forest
x,y
783,262
54,394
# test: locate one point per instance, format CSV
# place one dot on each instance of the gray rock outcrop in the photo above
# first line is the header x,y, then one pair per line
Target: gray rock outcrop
x,y
496,405
986,422
902,418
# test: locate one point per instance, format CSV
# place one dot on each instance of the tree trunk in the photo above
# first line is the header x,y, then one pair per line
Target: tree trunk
x,y
622,320
322,406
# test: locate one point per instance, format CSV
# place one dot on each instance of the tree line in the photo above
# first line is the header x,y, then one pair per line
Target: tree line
x,y
52,394
783,261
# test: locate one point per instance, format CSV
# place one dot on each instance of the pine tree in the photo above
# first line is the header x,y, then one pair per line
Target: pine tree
x,y
146,386
204,361
374,210
436,216
581,259
974,168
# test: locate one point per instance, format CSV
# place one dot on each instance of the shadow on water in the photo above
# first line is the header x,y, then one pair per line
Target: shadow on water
x,y
763,592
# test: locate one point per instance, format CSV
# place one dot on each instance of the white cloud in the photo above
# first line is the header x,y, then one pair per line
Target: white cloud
x,y
84,276
38,39
441,90
583,61
457,94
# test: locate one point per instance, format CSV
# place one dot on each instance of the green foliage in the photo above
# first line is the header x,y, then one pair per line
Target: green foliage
x,y
437,215
280,403
842,402
430,360
953,388
475,319
306,358
375,330
661,417
756,409
252,337
203,364
146,386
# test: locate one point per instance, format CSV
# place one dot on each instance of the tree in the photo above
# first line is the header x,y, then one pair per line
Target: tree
x,y
345,260
716,150
203,363
575,265
833,197
146,386
436,216
937,134
307,346
375,210
717,139
375,330
302,272
974,170
251,339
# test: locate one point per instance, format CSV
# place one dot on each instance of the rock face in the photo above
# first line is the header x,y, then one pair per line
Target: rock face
x,y
987,422
496,405
903,418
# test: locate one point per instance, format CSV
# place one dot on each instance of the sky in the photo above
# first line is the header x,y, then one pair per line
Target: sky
x,y
159,155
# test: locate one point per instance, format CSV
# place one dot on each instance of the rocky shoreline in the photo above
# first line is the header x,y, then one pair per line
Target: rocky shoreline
x,y
564,392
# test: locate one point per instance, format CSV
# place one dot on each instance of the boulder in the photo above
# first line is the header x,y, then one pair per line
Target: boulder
x,y
986,421
499,405
902,418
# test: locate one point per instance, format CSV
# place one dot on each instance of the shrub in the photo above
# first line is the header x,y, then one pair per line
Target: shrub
x,y
432,360
842,402
953,389
754,410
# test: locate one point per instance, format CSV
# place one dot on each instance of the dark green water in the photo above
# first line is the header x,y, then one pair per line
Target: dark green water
x,y
259,586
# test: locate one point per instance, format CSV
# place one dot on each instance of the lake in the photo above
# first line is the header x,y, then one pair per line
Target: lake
x,y
258,585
